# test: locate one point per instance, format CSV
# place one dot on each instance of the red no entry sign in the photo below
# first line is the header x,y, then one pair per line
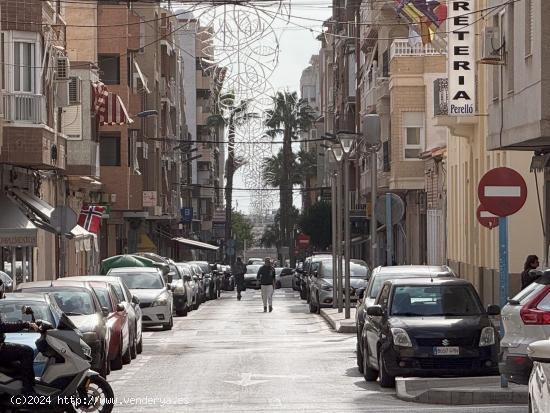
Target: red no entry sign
x,y
303,240
502,191
486,218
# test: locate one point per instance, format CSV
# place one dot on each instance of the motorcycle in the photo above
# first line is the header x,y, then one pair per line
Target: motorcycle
x,y
66,384
228,283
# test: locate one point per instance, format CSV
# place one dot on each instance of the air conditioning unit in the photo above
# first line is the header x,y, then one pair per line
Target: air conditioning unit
x,y
75,89
62,94
492,50
62,68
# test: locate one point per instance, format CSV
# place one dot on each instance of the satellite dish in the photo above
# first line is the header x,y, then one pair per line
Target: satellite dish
x,y
397,209
63,219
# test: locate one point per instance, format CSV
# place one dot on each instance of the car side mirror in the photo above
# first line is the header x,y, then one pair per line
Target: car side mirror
x,y
539,351
361,293
169,278
168,287
135,300
493,309
375,311
316,274
120,308
105,311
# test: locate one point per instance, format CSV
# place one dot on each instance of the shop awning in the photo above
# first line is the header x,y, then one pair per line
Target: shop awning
x,y
16,230
141,77
196,244
115,112
39,207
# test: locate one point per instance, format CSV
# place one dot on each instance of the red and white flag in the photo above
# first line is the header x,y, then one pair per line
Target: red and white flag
x,y
100,95
115,112
90,217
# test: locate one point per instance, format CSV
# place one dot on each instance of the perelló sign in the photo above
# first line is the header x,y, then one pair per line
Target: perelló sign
x,y
461,44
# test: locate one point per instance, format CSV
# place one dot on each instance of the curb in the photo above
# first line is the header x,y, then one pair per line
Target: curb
x,y
339,326
469,393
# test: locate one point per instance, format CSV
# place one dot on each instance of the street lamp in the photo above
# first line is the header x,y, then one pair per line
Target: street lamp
x,y
338,154
347,140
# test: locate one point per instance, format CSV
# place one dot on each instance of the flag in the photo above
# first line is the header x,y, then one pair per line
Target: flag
x,y
100,95
90,217
115,112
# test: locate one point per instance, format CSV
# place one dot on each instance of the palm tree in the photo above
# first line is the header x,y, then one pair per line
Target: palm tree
x,y
307,166
289,117
231,115
272,170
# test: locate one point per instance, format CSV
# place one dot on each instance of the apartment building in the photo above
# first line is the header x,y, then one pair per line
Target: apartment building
x,y
35,168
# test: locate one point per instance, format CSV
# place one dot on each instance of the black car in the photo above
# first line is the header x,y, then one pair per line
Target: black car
x,y
428,327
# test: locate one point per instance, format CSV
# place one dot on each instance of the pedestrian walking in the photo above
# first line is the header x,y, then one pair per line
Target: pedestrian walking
x,y
266,276
238,269
528,275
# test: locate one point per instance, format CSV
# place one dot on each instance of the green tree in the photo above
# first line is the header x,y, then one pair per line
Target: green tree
x,y
316,222
307,168
272,233
230,114
242,230
289,117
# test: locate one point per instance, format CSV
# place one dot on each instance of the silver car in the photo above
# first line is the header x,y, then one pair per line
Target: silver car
x,y
321,284
526,319
155,297
250,278
189,284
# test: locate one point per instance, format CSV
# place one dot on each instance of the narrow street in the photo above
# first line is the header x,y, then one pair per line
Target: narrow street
x,y
230,356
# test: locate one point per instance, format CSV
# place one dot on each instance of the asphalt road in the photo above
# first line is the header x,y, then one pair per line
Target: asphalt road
x,y
229,356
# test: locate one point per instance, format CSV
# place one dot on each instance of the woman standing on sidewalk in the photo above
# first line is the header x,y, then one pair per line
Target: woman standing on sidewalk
x,y
266,275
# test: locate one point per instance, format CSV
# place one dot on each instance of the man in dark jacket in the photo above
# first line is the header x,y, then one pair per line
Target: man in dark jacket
x,y
238,269
10,352
266,276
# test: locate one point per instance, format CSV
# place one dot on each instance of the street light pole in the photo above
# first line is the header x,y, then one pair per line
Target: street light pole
x,y
339,237
334,200
373,193
347,240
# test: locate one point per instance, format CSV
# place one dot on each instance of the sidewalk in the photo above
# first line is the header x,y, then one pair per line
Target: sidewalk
x,y
460,391
337,320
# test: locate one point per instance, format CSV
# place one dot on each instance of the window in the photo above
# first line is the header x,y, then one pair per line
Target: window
x,y
413,134
109,68
109,147
529,25
24,65
384,296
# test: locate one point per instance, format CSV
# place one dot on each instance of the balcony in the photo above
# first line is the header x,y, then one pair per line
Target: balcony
x,y
24,108
402,48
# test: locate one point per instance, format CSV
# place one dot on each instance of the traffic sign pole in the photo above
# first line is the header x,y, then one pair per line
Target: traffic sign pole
x,y
503,267
389,231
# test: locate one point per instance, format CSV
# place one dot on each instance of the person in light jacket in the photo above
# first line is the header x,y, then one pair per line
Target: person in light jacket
x,y
266,276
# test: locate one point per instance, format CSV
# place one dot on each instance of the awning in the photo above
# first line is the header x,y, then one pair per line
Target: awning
x,y
146,244
142,78
115,112
16,230
39,207
196,244
83,239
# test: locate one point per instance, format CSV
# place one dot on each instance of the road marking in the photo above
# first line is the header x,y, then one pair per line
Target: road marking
x,y
503,191
246,380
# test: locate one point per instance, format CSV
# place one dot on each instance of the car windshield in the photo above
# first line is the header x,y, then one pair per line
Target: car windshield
x,y
356,270
142,281
278,270
435,300
184,270
74,302
379,279
104,298
252,269
11,311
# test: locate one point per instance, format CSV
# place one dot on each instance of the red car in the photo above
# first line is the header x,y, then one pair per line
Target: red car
x,y
117,323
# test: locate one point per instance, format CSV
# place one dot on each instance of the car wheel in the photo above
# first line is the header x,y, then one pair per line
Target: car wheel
x,y
116,363
318,306
386,380
312,307
127,356
181,311
133,348
106,367
369,374
139,347
359,358
302,294
169,325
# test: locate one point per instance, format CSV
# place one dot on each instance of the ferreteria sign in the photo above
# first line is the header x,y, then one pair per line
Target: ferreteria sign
x,y
461,51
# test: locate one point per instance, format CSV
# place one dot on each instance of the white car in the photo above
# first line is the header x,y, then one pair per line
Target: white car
x,y
539,385
526,319
250,278
189,284
155,297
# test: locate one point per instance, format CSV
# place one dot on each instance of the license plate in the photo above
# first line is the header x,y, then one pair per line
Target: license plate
x,y
446,351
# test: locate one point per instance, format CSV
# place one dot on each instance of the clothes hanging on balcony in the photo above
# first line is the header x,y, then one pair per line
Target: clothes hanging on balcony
x,y
115,112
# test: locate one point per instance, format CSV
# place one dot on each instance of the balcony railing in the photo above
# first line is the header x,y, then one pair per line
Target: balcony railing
x,y
21,107
401,47
441,97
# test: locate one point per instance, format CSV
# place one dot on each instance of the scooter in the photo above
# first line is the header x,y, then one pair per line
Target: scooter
x,y
66,384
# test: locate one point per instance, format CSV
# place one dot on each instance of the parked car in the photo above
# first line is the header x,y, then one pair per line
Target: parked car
x,y
228,281
255,261
250,278
202,283
209,280
130,303
377,279
321,284
117,322
539,386
179,290
311,264
155,297
428,327
189,284
6,281
296,276
285,277
44,308
80,303
526,319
